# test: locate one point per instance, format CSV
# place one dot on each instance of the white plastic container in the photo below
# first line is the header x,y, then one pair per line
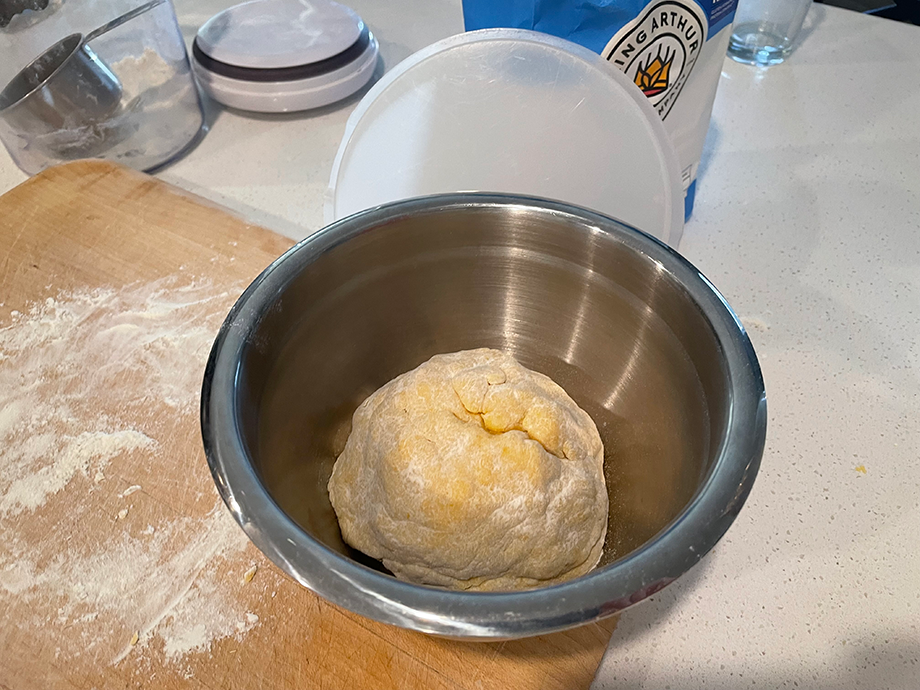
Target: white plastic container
x,y
672,50
505,110
277,56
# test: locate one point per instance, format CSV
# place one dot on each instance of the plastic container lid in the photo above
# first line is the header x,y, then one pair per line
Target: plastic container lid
x,y
507,110
283,55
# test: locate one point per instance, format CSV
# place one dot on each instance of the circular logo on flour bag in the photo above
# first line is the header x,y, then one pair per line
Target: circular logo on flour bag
x,y
658,49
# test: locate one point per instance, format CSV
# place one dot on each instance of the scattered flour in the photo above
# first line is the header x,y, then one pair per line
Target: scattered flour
x,y
142,73
754,323
139,347
72,454
16,577
81,375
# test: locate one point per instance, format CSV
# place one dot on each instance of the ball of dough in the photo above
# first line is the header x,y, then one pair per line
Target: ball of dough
x,y
472,472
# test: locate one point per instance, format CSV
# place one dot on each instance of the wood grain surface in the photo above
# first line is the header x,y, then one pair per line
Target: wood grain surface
x,y
123,569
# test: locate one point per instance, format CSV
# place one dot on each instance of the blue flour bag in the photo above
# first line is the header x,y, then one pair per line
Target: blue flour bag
x,y
670,49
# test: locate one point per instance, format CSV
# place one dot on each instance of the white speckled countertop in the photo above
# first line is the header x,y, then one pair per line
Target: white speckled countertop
x,y
808,219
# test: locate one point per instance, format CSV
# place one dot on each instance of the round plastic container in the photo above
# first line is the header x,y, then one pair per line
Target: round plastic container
x,y
278,56
506,110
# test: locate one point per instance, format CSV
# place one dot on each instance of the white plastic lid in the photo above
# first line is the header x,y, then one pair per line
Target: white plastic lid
x,y
507,110
279,33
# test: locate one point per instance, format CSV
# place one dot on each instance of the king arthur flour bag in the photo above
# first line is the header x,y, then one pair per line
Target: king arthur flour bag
x,y
671,49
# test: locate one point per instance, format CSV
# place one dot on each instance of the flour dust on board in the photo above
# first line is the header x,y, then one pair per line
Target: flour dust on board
x,y
98,406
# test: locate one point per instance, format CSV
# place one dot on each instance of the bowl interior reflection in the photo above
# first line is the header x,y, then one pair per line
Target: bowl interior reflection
x,y
574,302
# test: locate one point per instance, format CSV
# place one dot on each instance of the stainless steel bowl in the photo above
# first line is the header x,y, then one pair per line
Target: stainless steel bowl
x,y
635,334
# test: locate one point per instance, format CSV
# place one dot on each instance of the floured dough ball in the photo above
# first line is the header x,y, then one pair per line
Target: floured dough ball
x,y
472,472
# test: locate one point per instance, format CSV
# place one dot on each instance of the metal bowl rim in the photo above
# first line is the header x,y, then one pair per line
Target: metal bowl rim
x,y
604,591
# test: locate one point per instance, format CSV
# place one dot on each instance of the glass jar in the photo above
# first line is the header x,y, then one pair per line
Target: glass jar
x,y
77,88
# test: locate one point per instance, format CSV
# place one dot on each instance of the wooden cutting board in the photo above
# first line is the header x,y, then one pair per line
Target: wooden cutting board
x,y
119,566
